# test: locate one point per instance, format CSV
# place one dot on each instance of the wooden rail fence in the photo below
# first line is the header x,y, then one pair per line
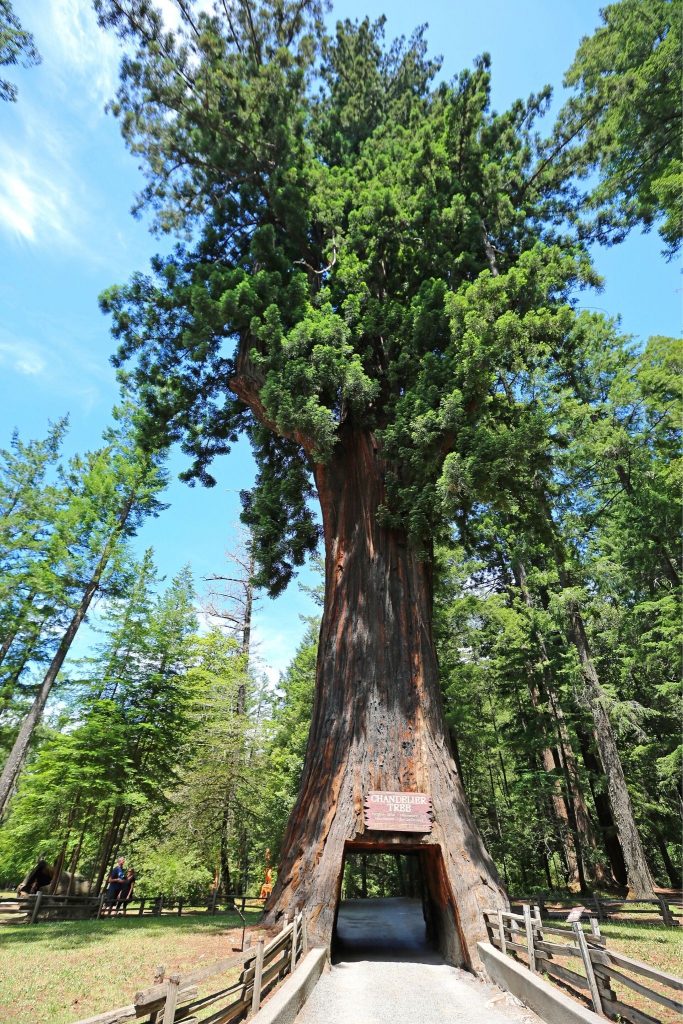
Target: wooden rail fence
x,y
527,934
667,907
211,994
45,907
30,909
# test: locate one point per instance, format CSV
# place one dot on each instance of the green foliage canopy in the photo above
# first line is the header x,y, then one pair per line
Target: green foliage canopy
x,y
365,250
624,120
16,47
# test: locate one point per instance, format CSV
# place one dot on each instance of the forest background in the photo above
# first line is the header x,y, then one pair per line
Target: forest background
x,y
167,741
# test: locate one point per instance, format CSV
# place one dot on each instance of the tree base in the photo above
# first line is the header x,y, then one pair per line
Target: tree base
x,y
459,880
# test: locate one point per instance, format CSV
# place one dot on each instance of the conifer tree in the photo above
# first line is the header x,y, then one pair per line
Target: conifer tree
x,y
623,122
110,493
369,264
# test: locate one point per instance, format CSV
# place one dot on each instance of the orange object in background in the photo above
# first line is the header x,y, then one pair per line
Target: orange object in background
x,y
267,886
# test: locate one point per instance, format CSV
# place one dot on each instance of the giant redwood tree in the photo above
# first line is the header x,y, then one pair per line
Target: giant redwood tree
x,y
363,284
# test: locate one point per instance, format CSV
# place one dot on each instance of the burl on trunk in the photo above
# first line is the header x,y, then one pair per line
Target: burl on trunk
x,y
378,721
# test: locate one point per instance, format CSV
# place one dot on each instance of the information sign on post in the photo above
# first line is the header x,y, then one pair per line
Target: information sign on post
x,y
398,812
575,914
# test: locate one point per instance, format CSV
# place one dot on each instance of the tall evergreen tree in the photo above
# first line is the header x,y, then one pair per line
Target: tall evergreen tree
x,y
623,122
366,272
110,493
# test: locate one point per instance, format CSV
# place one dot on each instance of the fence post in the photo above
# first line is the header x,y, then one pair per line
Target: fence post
x,y
180,907
501,933
667,916
142,908
528,924
598,908
36,907
171,999
588,965
595,927
158,979
304,933
541,905
295,940
100,904
258,972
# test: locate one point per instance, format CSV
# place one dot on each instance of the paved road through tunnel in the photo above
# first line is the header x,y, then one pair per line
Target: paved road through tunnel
x,y
385,972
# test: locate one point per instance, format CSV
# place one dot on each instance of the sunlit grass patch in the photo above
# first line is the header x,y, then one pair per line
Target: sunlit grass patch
x,y
58,972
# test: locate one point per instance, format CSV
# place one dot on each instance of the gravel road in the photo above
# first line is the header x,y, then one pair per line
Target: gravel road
x,y
386,974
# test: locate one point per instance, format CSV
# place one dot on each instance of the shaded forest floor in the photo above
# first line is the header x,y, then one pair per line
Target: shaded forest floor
x,y
59,972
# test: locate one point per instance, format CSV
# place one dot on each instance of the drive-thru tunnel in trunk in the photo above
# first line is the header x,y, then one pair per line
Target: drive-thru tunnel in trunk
x,y
394,903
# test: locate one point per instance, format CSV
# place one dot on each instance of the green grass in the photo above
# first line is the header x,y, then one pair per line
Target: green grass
x,y
651,943
59,972
655,945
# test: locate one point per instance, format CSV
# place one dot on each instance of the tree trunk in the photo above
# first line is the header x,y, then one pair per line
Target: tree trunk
x,y
603,810
363,876
616,876
575,813
74,860
108,846
378,721
672,871
566,760
224,853
640,882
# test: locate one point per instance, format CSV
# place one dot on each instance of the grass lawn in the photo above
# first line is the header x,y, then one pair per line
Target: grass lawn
x,y
652,944
655,945
58,972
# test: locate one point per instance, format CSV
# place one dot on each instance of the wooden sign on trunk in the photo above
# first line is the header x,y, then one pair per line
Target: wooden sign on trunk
x,y
398,812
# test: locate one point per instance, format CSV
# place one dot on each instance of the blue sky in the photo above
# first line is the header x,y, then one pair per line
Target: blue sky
x,y
66,187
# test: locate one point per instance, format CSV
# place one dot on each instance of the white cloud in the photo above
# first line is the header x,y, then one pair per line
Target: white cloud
x,y
23,357
274,649
36,204
77,46
170,12
50,365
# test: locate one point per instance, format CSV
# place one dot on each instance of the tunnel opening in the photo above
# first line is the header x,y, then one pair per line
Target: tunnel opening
x,y
394,902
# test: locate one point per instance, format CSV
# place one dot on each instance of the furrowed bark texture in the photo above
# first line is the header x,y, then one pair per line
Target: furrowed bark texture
x,y
378,720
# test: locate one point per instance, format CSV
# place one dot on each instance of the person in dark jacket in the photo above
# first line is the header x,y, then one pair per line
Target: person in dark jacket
x,y
115,884
126,894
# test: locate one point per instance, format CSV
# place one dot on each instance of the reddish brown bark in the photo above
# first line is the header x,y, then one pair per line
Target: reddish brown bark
x,y
378,721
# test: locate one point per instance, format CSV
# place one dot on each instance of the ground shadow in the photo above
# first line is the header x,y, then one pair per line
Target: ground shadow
x,y
389,929
75,934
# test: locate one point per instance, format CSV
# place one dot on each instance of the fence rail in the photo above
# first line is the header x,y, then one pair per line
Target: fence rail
x,y
242,983
44,906
586,949
664,905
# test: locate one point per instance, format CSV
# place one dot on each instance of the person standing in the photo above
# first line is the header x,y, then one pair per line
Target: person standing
x,y
126,893
115,884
